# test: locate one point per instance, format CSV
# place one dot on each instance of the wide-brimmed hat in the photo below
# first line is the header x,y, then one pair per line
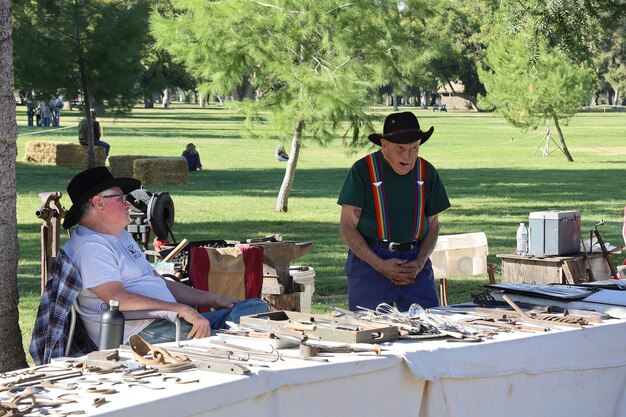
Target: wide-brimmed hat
x,y
402,128
90,182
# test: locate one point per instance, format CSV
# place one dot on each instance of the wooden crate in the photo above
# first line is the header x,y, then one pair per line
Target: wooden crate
x,y
552,269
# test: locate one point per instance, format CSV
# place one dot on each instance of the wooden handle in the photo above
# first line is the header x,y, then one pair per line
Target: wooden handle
x,y
176,250
515,307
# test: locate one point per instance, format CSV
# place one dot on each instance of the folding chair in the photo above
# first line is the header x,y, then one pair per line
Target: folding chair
x,y
235,272
77,311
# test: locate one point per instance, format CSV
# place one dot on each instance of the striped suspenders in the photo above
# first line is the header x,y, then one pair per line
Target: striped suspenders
x,y
380,199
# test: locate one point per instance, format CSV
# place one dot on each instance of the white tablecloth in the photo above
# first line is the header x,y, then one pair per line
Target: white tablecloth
x,y
565,373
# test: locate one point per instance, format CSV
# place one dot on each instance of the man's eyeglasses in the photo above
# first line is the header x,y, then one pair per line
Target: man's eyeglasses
x,y
121,197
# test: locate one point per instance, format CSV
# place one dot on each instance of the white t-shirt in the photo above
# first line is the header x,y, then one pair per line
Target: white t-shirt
x,y
102,258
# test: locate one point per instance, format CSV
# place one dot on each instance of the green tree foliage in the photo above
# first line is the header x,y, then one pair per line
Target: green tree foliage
x,y
456,29
312,63
162,72
611,60
90,47
528,82
575,27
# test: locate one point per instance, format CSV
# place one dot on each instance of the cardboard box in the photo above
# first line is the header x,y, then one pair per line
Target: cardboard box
x,y
554,233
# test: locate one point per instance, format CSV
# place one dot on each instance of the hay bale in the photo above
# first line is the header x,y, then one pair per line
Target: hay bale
x,y
73,155
64,154
122,165
161,170
43,152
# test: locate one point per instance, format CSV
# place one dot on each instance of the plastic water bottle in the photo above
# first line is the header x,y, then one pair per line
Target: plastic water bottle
x,y
522,239
111,327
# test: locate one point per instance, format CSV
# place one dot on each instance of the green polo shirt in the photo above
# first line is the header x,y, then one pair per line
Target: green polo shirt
x,y
400,192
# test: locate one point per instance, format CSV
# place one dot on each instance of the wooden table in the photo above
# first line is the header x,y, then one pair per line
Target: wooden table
x,y
570,269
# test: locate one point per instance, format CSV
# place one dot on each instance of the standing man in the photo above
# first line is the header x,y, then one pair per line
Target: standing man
x,y
390,203
56,105
83,133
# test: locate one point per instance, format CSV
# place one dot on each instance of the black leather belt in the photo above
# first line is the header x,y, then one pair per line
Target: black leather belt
x,y
392,246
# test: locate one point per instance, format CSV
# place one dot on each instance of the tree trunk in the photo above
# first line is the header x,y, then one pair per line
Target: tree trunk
x,y
563,144
282,201
11,350
424,100
394,98
166,98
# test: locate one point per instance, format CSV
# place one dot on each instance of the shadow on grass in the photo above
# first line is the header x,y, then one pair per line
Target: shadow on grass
x,y
493,199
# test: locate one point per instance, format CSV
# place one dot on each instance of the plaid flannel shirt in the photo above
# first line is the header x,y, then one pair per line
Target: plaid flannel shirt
x,y
53,317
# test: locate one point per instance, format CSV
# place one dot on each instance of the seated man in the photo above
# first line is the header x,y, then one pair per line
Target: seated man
x,y
112,267
83,133
281,154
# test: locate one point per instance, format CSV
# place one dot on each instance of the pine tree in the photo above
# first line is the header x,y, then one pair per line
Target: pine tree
x,y
311,63
529,83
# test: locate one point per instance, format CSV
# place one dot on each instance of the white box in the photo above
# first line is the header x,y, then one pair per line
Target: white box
x,y
460,255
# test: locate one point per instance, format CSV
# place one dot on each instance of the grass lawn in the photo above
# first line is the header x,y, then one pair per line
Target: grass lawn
x,y
492,178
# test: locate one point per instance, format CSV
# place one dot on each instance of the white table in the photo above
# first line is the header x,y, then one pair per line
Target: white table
x,y
565,373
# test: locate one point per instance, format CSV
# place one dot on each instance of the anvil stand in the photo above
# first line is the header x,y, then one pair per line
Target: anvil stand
x,y
279,256
51,213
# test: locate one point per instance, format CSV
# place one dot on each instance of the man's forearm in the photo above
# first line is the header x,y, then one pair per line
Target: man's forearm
x,y
357,244
427,245
187,295
129,301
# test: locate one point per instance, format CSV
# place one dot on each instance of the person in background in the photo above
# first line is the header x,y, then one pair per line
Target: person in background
x,y
193,157
30,110
281,153
83,133
45,114
56,105
390,203
38,121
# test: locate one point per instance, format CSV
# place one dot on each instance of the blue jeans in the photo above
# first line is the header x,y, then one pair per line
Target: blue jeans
x,y
367,288
162,331
104,145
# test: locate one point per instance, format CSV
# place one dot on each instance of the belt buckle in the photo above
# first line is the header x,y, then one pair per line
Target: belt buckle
x,y
392,246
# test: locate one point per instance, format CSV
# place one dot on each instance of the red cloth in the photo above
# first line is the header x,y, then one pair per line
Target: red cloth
x,y
201,276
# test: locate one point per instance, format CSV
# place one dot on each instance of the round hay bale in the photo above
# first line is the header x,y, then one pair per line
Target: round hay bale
x,y
161,170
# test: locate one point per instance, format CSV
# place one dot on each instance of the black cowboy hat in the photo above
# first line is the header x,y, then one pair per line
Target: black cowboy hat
x,y
90,182
402,128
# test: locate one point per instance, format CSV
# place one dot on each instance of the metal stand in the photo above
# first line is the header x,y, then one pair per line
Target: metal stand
x,y
139,228
544,145
52,213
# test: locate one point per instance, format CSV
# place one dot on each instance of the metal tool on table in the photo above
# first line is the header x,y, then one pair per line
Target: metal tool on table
x,y
165,361
605,252
547,319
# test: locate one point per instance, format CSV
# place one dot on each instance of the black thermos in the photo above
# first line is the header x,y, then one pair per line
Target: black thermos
x,y
111,327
